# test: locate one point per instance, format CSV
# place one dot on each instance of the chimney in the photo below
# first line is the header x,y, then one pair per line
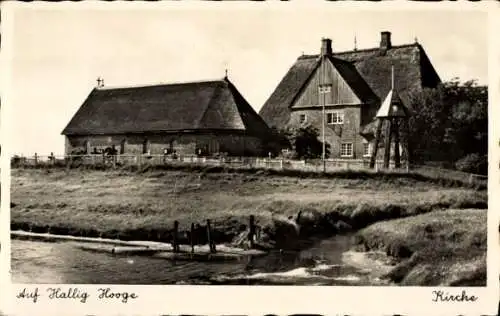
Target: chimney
x,y
326,47
385,40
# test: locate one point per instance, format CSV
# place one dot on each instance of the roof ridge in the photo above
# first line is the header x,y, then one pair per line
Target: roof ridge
x,y
159,84
359,50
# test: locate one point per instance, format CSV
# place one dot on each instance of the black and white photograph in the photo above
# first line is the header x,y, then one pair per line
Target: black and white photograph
x,y
249,147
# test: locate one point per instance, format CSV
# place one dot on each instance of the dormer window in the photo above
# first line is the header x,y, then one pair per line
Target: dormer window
x,y
325,89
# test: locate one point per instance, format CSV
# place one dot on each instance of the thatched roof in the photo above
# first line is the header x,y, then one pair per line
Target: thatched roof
x,y
413,70
209,105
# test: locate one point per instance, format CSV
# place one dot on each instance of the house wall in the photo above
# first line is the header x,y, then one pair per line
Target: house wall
x,y
183,144
348,132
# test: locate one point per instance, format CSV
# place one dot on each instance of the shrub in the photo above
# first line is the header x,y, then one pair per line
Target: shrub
x,y
15,161
473,163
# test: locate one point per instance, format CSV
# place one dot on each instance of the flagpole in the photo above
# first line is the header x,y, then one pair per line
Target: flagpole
x,y
392,78
323,117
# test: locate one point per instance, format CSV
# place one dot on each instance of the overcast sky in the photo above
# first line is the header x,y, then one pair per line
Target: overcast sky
x,y
58,54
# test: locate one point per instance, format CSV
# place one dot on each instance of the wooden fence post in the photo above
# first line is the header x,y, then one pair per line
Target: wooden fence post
x,y
103,158
211,244
192,238
175,242
36,159
251,230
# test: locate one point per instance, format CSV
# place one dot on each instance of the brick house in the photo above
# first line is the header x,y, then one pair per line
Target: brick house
x,y
350,87
208,117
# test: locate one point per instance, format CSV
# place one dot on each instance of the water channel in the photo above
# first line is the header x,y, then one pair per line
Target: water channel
x,y
63,263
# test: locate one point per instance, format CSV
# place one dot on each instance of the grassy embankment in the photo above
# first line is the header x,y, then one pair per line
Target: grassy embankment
x,y
131,204
439,248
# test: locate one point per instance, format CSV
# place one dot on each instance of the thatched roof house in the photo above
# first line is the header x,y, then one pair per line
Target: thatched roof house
x,y
344,90
210,116
413,71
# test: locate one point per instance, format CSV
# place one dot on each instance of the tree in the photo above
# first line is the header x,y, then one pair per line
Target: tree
x,y
449,122
306,144
279,140
468,130
427,129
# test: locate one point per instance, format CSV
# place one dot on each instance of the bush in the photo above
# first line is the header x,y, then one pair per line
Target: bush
x,y
15,161
473,163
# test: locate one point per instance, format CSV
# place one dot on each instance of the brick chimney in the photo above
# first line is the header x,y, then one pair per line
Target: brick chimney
x,y
385,40
326,47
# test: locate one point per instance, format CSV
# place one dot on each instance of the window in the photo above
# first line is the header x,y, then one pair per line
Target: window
x,y
367,149
302,118
336,117
325,89
346,150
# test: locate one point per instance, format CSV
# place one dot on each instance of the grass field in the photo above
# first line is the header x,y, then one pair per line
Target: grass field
x,y
439,248
118,201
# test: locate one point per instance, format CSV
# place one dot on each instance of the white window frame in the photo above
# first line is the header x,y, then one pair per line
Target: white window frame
x,y
337,117
300,118
365,153
345,153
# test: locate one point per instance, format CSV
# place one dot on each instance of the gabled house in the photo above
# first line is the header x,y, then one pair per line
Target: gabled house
x,y
193,118
349,87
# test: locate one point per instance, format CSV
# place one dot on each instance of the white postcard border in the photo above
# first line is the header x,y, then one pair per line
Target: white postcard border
x,y
253,300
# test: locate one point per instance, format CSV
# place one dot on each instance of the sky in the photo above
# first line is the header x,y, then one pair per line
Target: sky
x,y
57,55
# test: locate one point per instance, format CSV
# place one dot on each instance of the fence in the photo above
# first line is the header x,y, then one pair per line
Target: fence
x,y
315,165
450,174
232,162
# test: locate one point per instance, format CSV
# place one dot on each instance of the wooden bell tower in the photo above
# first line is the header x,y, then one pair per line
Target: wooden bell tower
x,y
391,114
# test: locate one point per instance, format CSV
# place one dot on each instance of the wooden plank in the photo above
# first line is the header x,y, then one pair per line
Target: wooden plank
x,y
387,149
118,250
397,157
51,237
378,133
106,245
